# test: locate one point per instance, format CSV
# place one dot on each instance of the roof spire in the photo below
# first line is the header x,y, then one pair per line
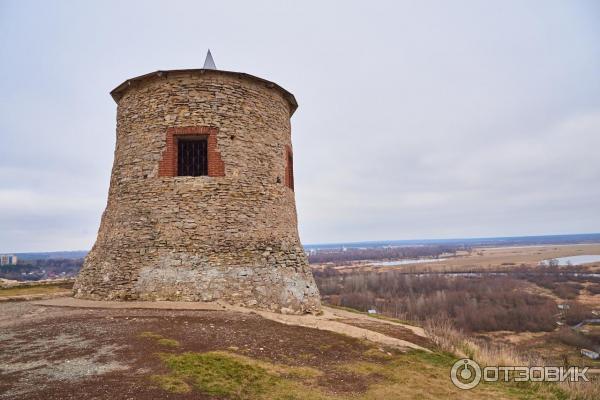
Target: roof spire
x,y
209,63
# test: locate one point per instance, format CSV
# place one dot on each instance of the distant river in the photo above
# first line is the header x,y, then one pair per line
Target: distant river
x,y
576,260
408,261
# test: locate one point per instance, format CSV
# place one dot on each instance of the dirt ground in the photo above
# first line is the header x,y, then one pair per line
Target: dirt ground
x,y
394,331
71,353
65,352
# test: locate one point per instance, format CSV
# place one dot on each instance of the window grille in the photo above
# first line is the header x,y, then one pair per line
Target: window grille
x,y
192,157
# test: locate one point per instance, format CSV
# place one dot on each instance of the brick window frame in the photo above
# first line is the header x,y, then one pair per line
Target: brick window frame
x,y
167,166
289,168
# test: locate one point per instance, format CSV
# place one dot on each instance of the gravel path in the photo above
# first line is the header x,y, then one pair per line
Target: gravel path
x,y
334,320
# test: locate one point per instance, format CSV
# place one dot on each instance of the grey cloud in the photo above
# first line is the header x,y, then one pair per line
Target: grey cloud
x,y
417,119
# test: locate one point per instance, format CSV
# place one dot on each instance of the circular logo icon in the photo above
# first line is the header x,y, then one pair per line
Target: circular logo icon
x,y
465,374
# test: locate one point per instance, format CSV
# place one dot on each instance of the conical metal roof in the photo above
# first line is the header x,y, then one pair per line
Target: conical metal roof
x,y
209,63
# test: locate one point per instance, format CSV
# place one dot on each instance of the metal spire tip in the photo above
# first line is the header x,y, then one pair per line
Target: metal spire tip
x,y
209,63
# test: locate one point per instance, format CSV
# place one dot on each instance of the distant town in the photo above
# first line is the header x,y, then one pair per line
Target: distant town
x,y
8,259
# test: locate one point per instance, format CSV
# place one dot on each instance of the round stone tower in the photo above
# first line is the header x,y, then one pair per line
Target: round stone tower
x,y
201,201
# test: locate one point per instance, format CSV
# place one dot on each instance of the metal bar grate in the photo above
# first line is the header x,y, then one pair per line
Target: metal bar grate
x,y
192,157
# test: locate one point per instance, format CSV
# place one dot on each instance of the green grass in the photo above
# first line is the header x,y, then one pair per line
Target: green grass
x,y
236,377
220,375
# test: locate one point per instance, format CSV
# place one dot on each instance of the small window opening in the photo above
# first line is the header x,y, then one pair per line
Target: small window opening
x,y
290,170
192,157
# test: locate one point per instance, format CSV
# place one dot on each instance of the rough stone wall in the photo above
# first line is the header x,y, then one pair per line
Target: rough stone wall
x,y
231,237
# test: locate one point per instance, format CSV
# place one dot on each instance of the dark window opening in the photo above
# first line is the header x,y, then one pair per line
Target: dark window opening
x,y
290,170
192,157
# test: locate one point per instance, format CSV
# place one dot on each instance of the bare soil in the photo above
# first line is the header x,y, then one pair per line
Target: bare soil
x,y
395,331
72,353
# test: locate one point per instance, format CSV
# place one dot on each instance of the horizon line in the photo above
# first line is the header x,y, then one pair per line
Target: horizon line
x,y
371,241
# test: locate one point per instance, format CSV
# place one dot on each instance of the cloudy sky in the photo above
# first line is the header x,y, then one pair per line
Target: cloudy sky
x,y
417,119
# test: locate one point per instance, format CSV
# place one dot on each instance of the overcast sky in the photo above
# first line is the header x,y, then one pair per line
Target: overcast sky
x,y
417,119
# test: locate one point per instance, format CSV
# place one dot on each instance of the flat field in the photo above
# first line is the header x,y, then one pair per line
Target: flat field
x,y
481,258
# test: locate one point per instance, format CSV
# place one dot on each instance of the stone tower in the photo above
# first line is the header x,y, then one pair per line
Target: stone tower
x,y
201,202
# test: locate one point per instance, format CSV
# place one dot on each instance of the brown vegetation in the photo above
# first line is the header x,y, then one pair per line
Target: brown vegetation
x,y
449,339
519,300
474,303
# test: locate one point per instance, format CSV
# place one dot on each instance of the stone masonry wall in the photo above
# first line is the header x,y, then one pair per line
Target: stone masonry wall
x,y
231,237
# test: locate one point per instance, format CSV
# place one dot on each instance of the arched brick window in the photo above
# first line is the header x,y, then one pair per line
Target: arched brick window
x,y
289,168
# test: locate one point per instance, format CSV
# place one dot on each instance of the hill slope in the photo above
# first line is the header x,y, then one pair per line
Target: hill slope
x,y
72,353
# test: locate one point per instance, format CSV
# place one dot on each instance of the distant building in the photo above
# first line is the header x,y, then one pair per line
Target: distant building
x,y
590,354
563,306
372,311
8,259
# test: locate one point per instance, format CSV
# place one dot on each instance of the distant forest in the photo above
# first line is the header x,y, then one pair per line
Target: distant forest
x,y
342,256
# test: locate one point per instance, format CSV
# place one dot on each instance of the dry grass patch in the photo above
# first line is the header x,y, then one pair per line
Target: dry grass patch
x,y
33,290
426,376
378,354
171,384
448,339
163,341
168,342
